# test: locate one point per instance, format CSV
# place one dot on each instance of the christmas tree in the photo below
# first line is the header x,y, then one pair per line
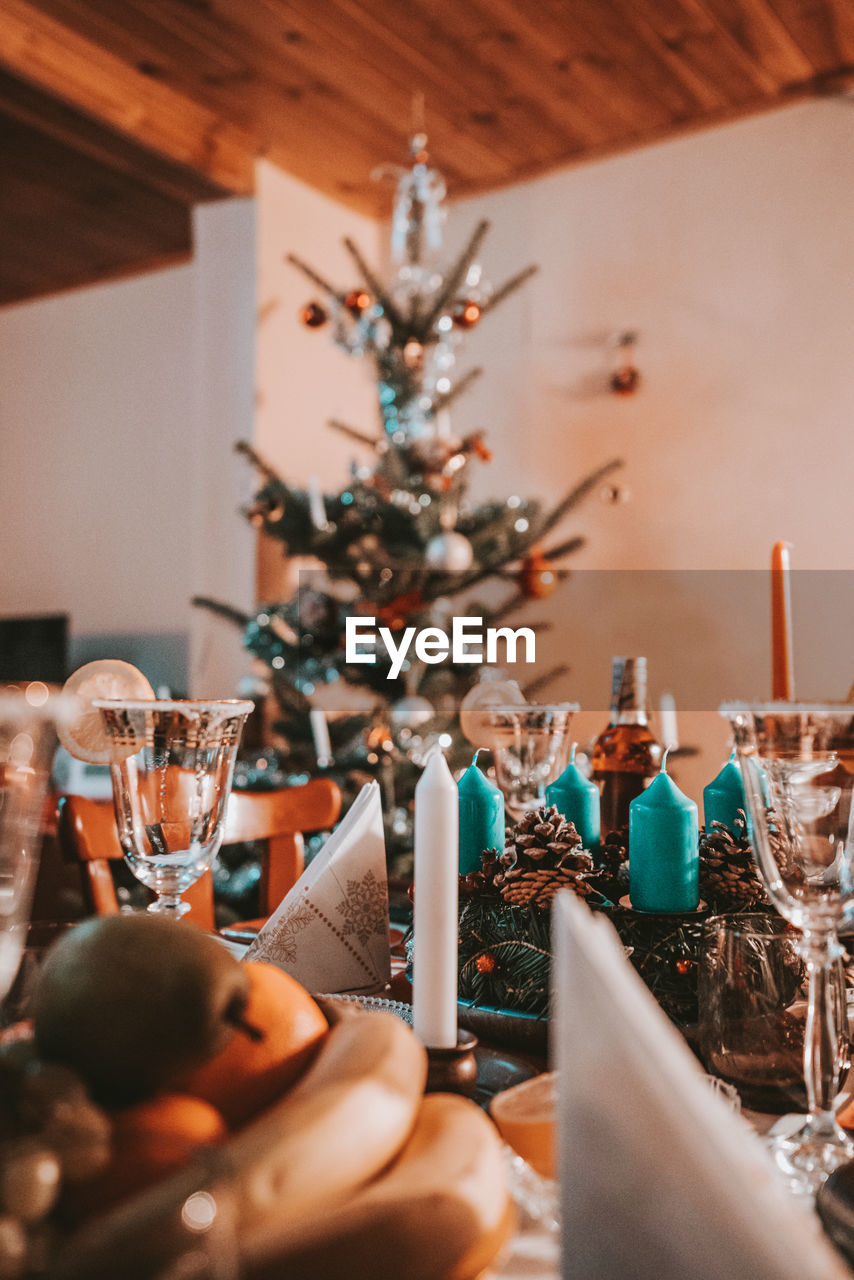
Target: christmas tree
x,y
401,543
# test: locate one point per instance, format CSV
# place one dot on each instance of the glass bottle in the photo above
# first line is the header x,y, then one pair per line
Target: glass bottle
x,y
627,754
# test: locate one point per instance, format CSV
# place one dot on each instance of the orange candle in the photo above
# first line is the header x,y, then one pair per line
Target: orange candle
x,y
783,673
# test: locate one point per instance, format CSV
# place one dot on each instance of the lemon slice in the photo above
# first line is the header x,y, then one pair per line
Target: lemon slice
x,y
475,720
525,1117
84,736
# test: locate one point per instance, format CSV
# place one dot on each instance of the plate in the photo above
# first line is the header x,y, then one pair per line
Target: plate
x,y
506,1027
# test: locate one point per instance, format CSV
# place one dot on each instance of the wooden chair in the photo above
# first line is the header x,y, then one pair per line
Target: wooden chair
x,y
89,837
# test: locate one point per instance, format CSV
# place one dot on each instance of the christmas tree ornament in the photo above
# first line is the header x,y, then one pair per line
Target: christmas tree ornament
x,y
410,712
395,614
413,355
357,301
625,379
449,551
466,314
313,315
537,578
265,510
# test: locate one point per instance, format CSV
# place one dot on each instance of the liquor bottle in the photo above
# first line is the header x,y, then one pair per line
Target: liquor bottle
x,y
626,755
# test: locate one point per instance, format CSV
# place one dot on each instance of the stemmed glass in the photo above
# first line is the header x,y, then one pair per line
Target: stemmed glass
x,y
799,795
526,742
172,764
28,715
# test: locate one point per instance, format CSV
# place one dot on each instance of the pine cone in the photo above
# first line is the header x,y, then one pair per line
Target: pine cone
x,y
543,838
729,877
614,851
538,888
543,854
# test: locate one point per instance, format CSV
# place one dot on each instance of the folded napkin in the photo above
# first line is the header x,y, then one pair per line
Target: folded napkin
x,y
660,1179
331,931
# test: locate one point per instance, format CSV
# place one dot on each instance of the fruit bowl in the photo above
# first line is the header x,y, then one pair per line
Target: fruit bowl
x,y
352,1171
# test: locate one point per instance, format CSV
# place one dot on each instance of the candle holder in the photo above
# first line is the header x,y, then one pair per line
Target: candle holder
x,y
453,1070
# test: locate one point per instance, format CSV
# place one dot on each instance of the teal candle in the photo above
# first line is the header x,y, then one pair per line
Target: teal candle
x,y
481,817
664,863
577,798
724,796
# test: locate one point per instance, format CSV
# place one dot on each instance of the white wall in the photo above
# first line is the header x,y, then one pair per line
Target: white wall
x,y
302,379
118,491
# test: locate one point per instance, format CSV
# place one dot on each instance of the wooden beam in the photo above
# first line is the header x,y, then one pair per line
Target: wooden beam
x,y
56,59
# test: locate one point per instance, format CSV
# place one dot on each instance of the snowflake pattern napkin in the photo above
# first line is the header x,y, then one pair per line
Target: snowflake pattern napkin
x,y
331,930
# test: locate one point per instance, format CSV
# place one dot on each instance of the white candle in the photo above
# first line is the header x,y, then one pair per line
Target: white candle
x,y
320,736
434,994
668,727
316,507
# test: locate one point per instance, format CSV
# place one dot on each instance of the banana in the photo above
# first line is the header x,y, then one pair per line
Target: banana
x,y
441,1212
342,1123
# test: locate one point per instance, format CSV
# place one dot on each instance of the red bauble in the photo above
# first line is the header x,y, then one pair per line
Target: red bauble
x,y
485,962
466,314
537,578
313,315
625,381
396,614
684,967
357,301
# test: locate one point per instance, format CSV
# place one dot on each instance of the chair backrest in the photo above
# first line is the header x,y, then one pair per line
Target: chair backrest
x,y
88,836
281,818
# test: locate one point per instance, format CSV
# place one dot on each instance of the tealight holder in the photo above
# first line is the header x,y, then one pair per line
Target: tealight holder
x,y
453,1070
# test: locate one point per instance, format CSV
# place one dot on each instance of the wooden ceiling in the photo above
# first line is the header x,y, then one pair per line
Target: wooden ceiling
x,y
116,116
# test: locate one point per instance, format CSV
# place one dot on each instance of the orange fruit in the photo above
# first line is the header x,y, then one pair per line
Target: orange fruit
x,y
525,1117
475,719
256,1067
149,1140
84,735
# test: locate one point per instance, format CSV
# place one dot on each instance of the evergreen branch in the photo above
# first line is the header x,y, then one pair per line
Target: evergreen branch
x,y
564,548
227,611
546,678
313,276
511,606
376,288
509,286
578,493
258,462
353,433
455,278
443,401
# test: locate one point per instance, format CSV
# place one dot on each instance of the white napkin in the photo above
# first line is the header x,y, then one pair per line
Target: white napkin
x,y
330,932
660,1179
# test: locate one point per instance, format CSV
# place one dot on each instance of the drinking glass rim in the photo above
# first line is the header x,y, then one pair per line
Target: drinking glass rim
x,y
234,706
779,706
505,708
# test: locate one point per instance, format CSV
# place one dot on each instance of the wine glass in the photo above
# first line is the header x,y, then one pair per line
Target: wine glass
x,y
28,716
172,764
799,793
526,743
